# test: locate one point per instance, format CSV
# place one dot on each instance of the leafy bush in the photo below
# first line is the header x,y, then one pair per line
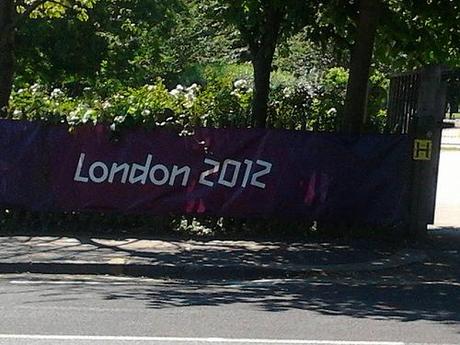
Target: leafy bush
x,y
222,99
223,102
329,105
150,105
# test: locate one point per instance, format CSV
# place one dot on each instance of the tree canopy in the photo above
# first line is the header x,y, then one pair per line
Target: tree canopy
x,y
283,50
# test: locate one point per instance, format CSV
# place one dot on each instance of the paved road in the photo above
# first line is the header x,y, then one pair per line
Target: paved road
x,y
67,340
82,310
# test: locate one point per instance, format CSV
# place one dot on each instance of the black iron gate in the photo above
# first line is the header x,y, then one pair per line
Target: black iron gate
x,y
417,107
402,102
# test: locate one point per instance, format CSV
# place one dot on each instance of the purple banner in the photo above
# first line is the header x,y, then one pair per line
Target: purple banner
x,y
223,172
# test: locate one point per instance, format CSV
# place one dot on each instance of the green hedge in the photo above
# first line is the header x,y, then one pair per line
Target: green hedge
x,y
221,98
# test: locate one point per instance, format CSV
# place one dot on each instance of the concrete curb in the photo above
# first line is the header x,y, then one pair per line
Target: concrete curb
x,y
194,271
450,147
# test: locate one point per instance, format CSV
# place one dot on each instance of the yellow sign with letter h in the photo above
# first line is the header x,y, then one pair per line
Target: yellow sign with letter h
x,y
423,149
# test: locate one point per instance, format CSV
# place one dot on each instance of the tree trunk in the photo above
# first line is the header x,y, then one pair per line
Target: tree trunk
x,y
262,72
7,13
355,113
262,53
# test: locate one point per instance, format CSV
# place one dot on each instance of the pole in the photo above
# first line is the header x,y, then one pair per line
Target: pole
x,y
425,132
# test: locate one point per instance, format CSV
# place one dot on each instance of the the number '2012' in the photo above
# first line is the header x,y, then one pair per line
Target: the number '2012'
x,y
231,170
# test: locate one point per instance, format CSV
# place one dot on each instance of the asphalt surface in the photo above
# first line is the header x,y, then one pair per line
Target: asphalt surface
x,y
69,309
69,340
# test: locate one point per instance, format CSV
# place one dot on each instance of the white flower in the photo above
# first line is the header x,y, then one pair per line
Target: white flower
x,y
190,97
192,88
106,105
309,89
34,88
145,112
240,84
119,119
179,87
87,115
113,127
150,87
175,93
17,112
56,93
331,111
286,92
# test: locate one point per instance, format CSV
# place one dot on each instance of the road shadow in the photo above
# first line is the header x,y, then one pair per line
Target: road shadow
x,y
426,291
220,252
405,302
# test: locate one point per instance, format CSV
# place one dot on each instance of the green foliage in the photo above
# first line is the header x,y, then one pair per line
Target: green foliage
x,y
311,103
224,100
330,104
301,56
219,104
35,103
54,8
59,52
125,46
411,33
418,32
251,16
377,102
122,42
129,43
136,33
196,41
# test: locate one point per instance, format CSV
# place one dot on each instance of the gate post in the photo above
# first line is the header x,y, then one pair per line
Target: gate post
x,y
425,132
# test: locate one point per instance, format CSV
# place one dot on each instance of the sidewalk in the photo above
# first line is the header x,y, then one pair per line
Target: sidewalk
x,y
451,137
196,259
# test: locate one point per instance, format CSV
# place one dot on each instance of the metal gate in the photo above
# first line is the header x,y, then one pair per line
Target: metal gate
x,y
417,107
402,102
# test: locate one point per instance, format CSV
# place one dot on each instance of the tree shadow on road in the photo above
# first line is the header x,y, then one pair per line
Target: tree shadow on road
x,y
426,291
438,301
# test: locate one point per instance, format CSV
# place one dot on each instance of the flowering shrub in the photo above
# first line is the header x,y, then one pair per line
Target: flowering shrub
x,y
219,104
222,101
291,106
